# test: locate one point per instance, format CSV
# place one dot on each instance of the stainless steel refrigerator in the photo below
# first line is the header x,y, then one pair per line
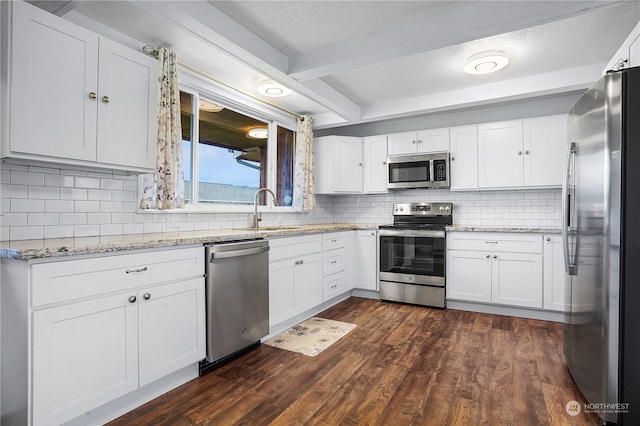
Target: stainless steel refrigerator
x,y
601,233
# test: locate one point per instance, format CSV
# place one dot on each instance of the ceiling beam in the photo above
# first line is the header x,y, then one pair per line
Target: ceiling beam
x,y
214,27
563,81
466,22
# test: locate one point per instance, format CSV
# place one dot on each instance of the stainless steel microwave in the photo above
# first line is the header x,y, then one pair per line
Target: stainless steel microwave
x,y
418,171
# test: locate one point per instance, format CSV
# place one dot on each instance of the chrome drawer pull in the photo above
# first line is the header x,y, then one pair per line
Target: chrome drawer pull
x,y
133,271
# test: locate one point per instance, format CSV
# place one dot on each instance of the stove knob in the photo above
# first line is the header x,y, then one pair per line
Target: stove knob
x,y
447,208
401,209
441,209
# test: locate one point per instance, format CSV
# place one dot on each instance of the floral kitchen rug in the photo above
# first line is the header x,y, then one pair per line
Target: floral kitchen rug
x,y
311,336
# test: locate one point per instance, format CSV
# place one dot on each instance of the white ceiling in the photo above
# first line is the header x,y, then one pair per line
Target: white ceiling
x,y
359,61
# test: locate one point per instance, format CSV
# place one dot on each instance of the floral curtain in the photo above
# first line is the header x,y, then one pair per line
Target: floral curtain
x,y
169,177
303,193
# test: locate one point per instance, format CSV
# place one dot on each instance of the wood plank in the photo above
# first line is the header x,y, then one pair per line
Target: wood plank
x,y
401,365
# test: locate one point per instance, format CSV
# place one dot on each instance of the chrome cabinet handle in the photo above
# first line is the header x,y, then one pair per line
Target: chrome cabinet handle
x,y
384,163
333,241
301,261
419,141
134,271
93,95
488,256
527,152
519,152
132,299
453,158
413,142
548,238
146,296
333,262
495,256
491,242
105,99
360,164
297,262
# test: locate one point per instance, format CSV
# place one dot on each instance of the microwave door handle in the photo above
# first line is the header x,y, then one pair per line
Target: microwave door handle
x,y
431,168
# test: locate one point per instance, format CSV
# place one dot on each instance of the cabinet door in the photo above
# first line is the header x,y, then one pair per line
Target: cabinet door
x,y
554,277
469,275
171,328
126,107
307,291
517,279
433,140
348,165
464,157
375,164
402,143
545,145
54,69
365,260
500,154
281,291
84,355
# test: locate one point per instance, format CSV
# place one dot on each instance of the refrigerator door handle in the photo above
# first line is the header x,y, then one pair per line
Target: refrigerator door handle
x,y
566,211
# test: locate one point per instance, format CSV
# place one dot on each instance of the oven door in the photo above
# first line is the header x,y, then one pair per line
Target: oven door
x,y
412,256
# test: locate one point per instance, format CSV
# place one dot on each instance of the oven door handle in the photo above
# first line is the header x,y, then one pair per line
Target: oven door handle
x,y
411,233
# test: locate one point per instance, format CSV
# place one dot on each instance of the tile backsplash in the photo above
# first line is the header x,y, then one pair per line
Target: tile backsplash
x,y
48,202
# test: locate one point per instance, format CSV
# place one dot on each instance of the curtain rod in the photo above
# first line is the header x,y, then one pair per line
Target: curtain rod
x,y
153,52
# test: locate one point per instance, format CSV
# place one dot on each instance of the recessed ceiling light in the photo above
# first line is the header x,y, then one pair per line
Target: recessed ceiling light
x,y
207,106
258,133
486,62
272,89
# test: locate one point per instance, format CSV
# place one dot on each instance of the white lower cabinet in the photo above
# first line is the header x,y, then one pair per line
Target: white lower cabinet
x,y
92,345
554,274
365,265
295,276
84,355
495,268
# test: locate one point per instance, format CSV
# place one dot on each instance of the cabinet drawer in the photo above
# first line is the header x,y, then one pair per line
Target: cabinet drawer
x,y
332,261
74,279
334,240
332,286
283,248
492,241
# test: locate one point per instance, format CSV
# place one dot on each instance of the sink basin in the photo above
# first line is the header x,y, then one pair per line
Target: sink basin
x,y
274,228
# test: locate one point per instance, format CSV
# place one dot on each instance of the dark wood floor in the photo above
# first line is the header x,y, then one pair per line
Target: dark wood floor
x,y
402,365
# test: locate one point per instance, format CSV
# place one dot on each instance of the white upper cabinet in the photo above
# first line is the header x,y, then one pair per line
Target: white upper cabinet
x,y
464,157
522,153
126,107
500,154
74,97
375,171
628,55
338,164
545,145
423,141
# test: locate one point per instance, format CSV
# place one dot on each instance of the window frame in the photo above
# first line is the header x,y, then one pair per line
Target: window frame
x,y
199,86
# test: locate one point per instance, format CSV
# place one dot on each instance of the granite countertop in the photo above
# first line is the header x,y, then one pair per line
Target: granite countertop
x,y
58,247
465,228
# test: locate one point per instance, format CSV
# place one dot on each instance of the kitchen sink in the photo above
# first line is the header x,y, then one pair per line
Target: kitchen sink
x,y
274,228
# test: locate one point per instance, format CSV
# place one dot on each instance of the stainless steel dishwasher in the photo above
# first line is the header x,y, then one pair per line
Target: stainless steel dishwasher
x,y
237,290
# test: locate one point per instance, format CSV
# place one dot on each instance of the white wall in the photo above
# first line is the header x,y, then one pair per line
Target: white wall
x,y
520,208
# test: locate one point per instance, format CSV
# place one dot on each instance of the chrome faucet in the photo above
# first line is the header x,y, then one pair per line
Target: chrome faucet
x,y
257,217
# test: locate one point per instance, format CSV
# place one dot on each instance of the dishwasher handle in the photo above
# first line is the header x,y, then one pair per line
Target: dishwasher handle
x,y
238,253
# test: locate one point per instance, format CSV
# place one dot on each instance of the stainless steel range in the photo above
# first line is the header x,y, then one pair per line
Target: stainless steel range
x,y
412,254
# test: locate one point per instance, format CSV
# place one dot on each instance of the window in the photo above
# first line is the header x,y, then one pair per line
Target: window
x,y
228,155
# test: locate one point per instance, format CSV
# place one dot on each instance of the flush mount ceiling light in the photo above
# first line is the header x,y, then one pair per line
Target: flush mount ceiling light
x,y
272,89
207,106
258,133
486,62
